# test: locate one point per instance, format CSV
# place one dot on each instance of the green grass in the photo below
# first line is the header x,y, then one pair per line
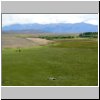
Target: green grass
x,y
71,62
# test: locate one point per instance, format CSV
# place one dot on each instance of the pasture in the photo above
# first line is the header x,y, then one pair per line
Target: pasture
x,y
63,62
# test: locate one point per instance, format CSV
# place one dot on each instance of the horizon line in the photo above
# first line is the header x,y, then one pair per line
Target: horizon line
x,y
47,23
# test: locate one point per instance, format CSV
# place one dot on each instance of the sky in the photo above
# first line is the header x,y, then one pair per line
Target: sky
x,y
9,19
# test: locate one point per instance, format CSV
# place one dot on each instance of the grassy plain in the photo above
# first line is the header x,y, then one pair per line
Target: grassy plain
x,y
72,62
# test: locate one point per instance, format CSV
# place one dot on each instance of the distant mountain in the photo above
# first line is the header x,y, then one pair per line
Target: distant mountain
x,y
52,28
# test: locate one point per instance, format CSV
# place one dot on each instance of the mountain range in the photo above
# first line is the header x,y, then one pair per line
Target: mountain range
x,y
52,28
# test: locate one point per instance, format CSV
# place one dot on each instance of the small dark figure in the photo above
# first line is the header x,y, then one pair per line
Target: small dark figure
x,y
54,79
19,50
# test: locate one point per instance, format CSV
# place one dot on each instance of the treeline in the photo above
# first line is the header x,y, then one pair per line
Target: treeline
x,y
55,37
89,34
82,35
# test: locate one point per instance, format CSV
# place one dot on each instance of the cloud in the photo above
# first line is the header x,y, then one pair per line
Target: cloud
x,y
8,19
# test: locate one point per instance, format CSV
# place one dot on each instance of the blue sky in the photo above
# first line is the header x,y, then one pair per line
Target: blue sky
x,y
8,19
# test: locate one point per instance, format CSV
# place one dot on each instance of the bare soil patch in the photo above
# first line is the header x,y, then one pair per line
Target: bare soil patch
x,y
40,41
12,41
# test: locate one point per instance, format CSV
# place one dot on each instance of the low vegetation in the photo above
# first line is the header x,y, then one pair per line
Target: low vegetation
x,y
81,35
55,37
89,35
65,62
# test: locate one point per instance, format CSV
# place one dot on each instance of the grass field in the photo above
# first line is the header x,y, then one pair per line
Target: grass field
x,y
71,62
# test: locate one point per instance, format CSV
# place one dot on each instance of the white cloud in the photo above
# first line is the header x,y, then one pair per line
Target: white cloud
x,y
93,21
8,19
